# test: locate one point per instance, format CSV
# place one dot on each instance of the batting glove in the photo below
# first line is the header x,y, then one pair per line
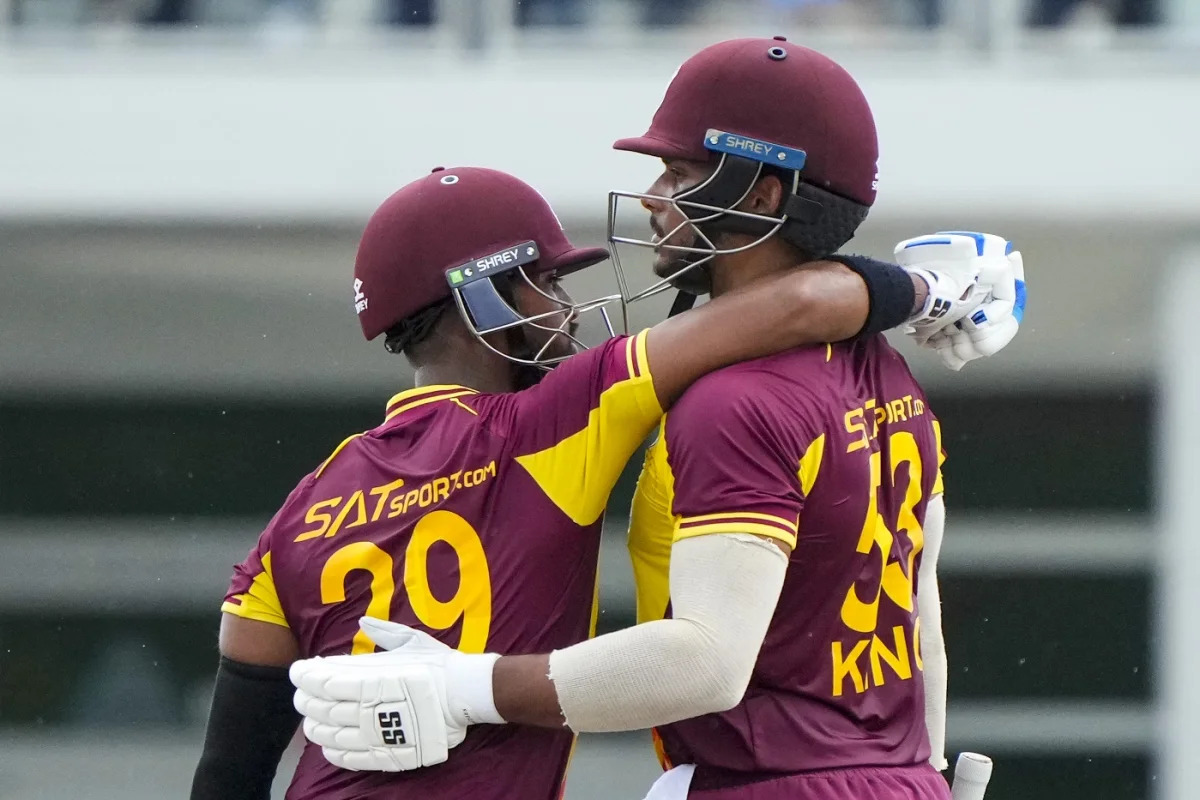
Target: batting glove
x,y
976,298
393,711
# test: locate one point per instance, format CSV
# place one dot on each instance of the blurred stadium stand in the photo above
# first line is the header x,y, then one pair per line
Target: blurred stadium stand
x,y
179,209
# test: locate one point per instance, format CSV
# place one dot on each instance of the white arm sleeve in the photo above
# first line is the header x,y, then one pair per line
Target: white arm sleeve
x,y
933,647
724,588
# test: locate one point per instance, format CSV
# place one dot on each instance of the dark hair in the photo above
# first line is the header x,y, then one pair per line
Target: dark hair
x,y
415,328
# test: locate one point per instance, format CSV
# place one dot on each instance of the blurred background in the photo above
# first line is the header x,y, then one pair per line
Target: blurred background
x,y
182,187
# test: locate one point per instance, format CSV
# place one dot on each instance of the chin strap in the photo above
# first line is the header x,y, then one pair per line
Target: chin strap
x,y
683,302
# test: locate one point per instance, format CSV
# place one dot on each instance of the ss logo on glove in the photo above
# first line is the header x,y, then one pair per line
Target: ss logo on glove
x,y
941,307
391,728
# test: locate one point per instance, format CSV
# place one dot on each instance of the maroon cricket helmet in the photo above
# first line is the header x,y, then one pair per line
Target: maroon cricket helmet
x,y
775,91
445,221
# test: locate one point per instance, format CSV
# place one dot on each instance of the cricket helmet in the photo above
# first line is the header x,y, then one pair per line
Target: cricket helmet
x,y
757,107
465,233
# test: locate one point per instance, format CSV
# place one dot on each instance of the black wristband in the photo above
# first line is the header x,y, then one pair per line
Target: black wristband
x,y
889,290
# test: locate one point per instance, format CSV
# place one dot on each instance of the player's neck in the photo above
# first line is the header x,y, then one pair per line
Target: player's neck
x,y
736,270
453,356
490,379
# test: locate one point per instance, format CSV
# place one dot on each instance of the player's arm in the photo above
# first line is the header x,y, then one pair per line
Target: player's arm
x,y
576,429
617,393
724,589
827,301
251,719
929,611
933,646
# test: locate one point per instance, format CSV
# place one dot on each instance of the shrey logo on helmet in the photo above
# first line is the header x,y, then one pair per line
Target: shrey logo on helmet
x,y
465,238
360,299
752,108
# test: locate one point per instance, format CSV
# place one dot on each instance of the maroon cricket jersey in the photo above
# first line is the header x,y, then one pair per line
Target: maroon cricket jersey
x,y
835,451
474,517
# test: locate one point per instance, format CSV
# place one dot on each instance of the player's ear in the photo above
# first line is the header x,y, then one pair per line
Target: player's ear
x,y
765,198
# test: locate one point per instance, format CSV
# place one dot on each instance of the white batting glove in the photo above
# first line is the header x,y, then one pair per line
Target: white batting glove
x,y
976,293
398,710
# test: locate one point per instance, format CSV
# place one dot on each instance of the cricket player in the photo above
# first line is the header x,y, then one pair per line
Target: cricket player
x,y
778,524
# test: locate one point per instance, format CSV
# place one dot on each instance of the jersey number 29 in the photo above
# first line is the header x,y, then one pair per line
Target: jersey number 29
x,y
472,602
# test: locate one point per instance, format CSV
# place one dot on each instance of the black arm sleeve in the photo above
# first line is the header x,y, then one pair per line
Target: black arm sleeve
x,y
890,291
249,726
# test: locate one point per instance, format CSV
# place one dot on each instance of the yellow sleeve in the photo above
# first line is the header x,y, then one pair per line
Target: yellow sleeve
x,y
579,465
260,600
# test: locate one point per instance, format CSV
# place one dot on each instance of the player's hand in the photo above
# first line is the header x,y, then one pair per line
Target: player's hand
x,y
393,711
976,293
